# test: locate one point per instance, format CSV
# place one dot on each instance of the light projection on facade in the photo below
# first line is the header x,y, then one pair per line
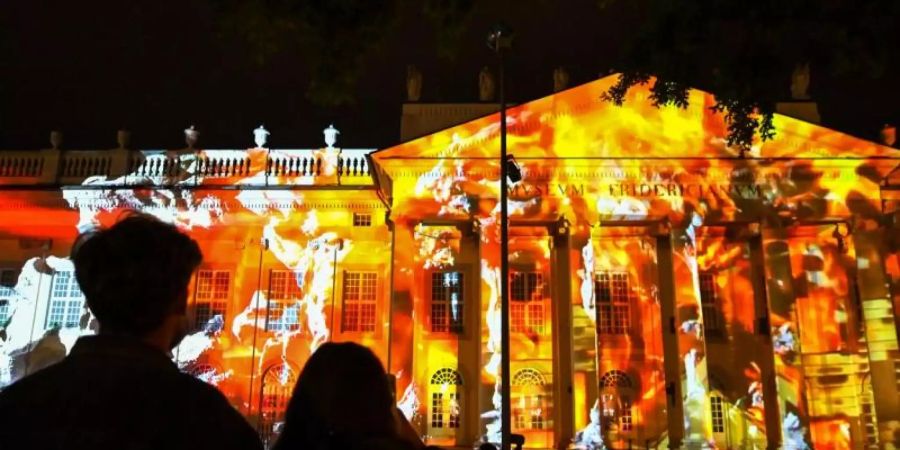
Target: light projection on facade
x,y
664,288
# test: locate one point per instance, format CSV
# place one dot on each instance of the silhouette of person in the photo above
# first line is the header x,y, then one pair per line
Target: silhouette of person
x,y
120,389
343,400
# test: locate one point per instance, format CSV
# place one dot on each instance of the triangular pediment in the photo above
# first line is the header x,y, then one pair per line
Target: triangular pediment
x,y
577,123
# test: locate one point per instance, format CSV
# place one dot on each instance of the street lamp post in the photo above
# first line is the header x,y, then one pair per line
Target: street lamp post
x,y
499,40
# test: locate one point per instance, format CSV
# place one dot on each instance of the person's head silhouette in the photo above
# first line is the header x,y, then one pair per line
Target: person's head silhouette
x,y
342,400
135,278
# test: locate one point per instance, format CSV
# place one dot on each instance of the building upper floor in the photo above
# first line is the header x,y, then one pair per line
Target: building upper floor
x,y
190,166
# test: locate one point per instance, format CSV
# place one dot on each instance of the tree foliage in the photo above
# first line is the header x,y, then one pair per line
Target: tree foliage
x,y
745,51
742,51
335,36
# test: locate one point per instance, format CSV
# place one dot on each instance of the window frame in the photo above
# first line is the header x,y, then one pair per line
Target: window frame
x,y
278,300
448,326
617,395
614,310
7,291
717,413
370,304
361,219
214,303
272,403
67,302
441,415
529,377
533,311
710,308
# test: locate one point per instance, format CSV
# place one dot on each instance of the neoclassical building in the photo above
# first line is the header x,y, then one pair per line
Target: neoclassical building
x,y
666,290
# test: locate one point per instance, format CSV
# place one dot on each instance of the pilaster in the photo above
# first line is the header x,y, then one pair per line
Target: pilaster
x,y
880,333
562,337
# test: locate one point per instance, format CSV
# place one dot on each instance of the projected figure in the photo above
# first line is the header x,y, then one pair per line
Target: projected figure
x,y
793,433
784,340
591,437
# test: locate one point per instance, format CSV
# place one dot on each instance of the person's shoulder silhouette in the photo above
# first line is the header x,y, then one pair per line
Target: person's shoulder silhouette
x,y
343,400
120,389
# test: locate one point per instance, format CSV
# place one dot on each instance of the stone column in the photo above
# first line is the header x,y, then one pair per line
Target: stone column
x,y
469,350
561,299
583,350
688,326
672,362
878,320
789,377
402,345
766,360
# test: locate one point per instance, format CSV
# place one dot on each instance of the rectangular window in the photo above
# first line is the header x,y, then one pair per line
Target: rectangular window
x,y
213,290
537,413
718,414
437,410
454,410
529,413
447,302
66,301
284,294
709,302
613,297
526,308
362,220
360,295
8,280
625,420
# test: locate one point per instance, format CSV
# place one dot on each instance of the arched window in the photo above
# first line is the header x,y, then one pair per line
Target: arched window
x,y
529,407
616,390
277,384
445,399
615,379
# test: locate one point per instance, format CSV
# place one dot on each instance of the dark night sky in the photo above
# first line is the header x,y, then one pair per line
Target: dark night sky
x,y
154,67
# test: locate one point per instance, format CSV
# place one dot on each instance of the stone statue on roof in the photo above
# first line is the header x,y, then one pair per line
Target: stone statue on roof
x,y
560,79
191,135
260,136
123,138
413,84
486,85
56,139
330,135
800,82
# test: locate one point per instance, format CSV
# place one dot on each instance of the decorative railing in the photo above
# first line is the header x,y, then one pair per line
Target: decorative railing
x,y
155,166
83,165
20,164
186,167
290,166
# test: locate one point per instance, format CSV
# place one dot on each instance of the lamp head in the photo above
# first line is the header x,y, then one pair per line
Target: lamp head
x,y
500,38
513,171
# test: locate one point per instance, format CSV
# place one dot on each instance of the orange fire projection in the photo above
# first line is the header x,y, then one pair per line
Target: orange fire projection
x,y
592,164
634,229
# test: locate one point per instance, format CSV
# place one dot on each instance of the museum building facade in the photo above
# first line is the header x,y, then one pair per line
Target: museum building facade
x,y
665,288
